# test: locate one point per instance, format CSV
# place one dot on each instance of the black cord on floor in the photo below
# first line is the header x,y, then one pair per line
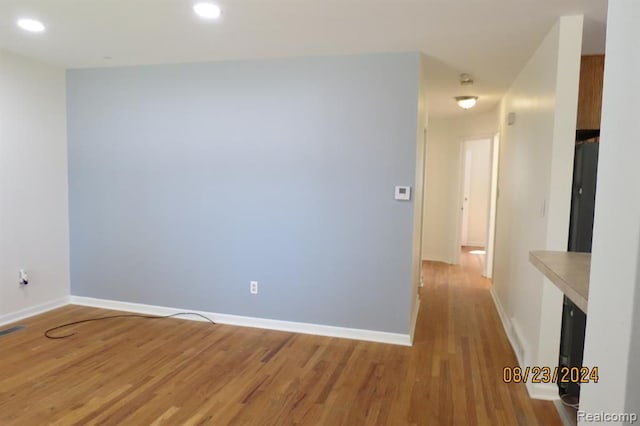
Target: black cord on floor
x,y
47,335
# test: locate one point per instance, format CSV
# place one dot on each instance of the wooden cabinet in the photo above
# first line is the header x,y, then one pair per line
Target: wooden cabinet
x,y
590,92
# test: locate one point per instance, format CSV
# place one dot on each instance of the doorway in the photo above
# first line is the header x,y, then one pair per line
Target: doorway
x,y
476,195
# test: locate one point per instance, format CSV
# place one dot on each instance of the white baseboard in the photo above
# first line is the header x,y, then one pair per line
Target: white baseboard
x,y
437,259
506,324
474,244
546,391
511,329
237,320
519,344
33,310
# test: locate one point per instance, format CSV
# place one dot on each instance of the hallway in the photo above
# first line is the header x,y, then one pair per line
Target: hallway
x,y
461,341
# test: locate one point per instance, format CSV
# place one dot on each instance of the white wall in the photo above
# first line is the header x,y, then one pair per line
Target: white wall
x,y
613,320
536,162
34,230
478,205
445,136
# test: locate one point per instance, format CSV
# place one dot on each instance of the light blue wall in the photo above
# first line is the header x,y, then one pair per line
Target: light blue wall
x,y
188,181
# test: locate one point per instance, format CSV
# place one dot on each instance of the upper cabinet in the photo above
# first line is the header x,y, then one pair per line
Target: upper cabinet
x,y
590,92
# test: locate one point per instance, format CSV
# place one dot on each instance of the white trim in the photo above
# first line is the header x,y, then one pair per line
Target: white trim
x,y
414,319
475,244
519,344
546,391
242,321
506,323
428,258
33,310
493,206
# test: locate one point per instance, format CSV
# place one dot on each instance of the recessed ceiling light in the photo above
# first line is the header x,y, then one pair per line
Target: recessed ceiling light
x,y
207,10
31,25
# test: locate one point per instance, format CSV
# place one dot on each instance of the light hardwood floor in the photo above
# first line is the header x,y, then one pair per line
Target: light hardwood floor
x,y
177,372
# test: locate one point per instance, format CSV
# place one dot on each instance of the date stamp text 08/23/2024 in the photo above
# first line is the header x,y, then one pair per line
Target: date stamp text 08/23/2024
x,y
538,374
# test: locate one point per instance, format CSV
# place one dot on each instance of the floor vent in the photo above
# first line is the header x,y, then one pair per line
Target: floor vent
x,y
11,330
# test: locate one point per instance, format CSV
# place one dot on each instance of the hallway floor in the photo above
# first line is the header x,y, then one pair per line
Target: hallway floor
x,y
469,349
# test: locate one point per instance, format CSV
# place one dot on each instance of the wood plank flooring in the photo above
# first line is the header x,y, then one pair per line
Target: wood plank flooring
x,y
176,372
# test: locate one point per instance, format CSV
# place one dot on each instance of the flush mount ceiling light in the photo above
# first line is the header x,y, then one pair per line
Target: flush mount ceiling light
x,y
207,10
31,25
466,102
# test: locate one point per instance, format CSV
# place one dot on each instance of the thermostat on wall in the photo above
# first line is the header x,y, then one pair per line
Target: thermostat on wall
x,y
403,193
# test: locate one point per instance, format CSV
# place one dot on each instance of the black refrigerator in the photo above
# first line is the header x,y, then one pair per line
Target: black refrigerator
x,y
583,195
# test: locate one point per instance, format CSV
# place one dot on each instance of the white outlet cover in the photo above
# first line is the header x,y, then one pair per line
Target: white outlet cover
x,y
403,193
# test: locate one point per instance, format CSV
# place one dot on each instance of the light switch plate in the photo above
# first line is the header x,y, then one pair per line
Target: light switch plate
x,y
403,193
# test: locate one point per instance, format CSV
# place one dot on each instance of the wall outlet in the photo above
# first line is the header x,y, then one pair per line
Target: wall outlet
x,y
253,287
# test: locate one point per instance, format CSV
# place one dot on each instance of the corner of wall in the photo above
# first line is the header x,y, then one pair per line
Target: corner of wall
x,y
34,205
419,186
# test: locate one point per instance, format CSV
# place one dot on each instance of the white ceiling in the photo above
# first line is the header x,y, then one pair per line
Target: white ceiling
x,y
490,39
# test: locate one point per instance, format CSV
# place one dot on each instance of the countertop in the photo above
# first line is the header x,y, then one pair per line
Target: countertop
x,y
569,271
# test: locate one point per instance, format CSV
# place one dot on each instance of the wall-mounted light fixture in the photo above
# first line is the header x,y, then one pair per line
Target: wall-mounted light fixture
x,y
466,102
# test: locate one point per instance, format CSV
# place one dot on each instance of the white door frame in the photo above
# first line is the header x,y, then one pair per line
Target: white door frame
x,y
461,177
493,206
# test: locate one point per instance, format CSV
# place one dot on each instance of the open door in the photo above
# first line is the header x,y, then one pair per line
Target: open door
x,y
475,194
466,194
